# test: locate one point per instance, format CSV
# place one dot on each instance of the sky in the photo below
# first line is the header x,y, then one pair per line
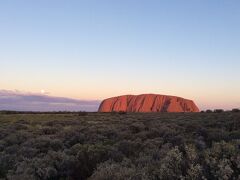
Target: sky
x,y
91,50
27,101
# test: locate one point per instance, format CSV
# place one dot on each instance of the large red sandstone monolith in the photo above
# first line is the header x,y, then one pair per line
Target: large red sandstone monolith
x,y
147,103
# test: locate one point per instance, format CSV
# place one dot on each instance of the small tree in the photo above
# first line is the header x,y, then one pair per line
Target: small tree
x,y
209,111
122,112
82,113
235,110
218,110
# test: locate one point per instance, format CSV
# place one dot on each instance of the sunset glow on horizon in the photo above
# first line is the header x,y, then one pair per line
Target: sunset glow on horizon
x,y
92,50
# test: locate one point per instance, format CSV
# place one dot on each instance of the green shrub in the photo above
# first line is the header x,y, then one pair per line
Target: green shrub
x,y
82,113
235,110
209,111
218,110
122,112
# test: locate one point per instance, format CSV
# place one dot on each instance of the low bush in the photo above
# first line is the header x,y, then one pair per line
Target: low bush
x,y
82,113
235,110
122,112
209,111
218,110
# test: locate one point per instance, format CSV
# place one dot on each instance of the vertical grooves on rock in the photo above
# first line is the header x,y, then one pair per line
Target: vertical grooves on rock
x,y
141,103
114,103
154,103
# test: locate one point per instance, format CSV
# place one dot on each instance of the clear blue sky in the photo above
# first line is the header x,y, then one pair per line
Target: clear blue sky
x,y
93,49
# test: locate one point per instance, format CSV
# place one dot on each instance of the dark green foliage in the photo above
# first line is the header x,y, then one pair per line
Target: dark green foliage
x,y
235,110
209,111
82,113
218,110
122,112
119,146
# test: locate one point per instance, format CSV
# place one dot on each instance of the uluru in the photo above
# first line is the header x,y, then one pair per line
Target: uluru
x,y
147,103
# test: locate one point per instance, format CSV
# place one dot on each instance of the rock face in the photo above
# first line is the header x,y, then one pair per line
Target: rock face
x,y
147,103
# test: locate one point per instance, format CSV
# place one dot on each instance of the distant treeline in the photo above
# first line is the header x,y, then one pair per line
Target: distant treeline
x,y
85,113
220,110
42,112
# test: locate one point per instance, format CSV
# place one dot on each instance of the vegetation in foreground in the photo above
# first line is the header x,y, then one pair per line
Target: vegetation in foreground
x,y
120,146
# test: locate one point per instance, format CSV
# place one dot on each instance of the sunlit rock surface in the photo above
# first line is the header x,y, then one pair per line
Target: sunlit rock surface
x,y
147,103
